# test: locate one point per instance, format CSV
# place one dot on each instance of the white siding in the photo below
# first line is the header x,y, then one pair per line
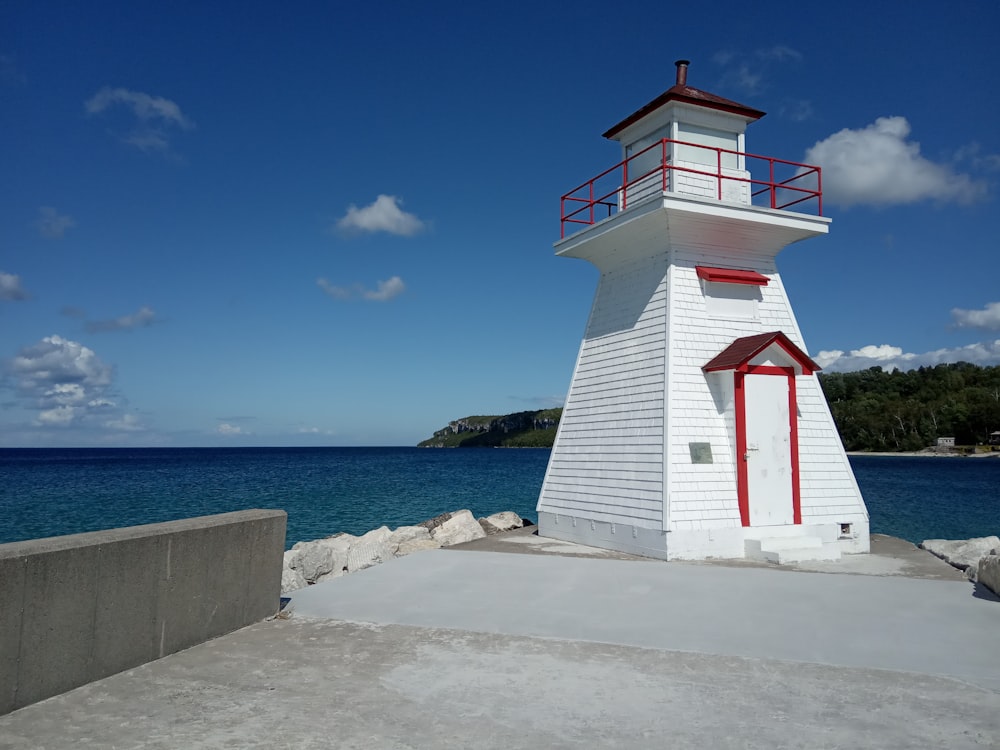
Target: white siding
x,y
699,496
607,462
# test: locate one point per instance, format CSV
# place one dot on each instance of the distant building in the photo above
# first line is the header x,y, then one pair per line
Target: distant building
x,y
946,442
995,438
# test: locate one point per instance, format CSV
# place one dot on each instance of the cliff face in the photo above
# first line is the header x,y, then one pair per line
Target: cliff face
x,y
524,429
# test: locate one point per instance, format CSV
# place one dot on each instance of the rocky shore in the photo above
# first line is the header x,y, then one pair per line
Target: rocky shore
x,y
979,558
312,562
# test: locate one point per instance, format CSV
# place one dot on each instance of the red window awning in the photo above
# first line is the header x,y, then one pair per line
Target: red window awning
x,y
731,275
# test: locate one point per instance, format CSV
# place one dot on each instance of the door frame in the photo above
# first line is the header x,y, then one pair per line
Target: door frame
x,y
742,473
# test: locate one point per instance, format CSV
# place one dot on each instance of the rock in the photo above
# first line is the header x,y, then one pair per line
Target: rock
x,y
432,523
989,573
370,549
461,527
961,553
408,534
416,545
498,522
323,558
292,580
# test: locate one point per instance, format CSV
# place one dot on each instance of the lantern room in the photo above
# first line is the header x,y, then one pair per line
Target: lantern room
x,y
687,129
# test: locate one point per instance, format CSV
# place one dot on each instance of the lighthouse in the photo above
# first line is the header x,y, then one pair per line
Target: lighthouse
x,y
695,426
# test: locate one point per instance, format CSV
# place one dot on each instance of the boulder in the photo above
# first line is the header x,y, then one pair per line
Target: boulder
x,y
416,545
498,522
461,527
292,580
962,553
989,573
432,523
323,558
408,534
370,549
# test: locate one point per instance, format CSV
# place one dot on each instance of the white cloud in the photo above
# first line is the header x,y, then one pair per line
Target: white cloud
x,y
53,225
337,292
10,288
384,215
144,106
141,318
385,290
877,165
988,318
973,154
64,380
127,423
154,116
890,358
230,429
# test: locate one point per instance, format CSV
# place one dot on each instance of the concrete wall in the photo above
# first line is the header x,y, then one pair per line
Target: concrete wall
x,y
76,608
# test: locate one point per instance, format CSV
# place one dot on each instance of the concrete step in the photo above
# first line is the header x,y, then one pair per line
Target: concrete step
x,y
791,549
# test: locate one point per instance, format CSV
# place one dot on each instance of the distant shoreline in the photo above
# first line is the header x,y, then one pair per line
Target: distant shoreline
x,y
923,454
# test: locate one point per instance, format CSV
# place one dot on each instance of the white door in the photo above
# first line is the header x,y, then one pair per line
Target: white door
x,y
769,450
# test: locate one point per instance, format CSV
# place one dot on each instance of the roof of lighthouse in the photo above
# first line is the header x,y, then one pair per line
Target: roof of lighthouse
x,y
681,92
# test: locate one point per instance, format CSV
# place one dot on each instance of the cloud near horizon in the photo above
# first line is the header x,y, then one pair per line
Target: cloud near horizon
x,y
141,318
878,165
154,116
988,318
384,215
889,358
385,290
64,381
11,289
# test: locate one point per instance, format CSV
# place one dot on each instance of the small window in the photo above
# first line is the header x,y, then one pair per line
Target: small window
x,y
723,300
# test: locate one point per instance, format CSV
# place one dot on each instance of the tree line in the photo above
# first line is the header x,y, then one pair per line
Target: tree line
x,y
877,410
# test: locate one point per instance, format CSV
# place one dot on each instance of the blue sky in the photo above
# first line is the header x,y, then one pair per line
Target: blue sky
x,y
332,223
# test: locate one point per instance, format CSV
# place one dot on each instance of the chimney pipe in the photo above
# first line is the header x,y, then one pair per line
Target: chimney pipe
x,y
682,72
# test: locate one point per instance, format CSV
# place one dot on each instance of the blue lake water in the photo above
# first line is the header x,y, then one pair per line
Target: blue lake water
x,y
48,492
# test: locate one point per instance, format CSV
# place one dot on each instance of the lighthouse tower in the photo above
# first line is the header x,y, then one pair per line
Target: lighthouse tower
x,y
695,426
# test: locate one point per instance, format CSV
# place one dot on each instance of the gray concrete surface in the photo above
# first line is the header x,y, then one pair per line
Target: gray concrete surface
x,y
466,648
844,620
84,606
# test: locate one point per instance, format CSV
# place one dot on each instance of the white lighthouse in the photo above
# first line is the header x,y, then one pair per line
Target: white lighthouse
x,y
695,426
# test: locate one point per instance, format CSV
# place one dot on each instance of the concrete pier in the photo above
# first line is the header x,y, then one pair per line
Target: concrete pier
x,y
484,646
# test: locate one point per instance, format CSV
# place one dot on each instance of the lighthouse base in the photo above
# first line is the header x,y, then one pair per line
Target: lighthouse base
x,y
829,540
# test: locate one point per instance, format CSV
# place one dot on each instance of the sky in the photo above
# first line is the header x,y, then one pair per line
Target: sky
x,y
332,223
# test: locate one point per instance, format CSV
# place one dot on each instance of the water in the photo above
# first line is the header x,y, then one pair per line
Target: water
x,y
324,490
48,492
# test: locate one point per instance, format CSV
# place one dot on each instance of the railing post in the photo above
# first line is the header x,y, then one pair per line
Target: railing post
x,y
718,169
591,202
562,218
624,185
663,163
774,188
819,188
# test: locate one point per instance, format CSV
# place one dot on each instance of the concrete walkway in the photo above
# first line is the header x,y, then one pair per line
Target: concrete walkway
x,y
486,649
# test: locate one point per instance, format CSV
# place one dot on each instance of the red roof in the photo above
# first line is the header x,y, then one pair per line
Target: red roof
x,y
731,275
742,350
688,95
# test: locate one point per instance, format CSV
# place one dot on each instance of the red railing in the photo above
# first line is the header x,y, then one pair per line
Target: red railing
x,y
614,189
